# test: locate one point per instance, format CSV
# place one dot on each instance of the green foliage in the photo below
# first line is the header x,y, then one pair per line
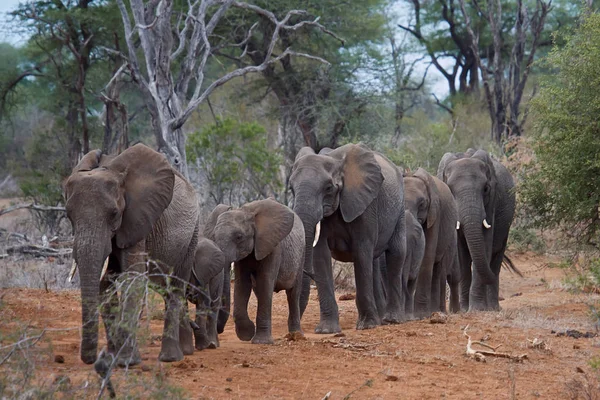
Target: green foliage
x,y
237,161
562,184
523,239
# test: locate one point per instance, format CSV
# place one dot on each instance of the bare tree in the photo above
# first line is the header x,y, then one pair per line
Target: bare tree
x,y
504,93
177,48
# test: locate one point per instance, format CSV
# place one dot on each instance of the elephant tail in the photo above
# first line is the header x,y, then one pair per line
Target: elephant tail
x,y
510,266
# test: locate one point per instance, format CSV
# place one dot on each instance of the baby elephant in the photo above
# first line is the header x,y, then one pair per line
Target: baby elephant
x,y
206,291
265,239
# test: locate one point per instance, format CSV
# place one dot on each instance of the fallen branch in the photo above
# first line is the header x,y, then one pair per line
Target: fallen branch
x,y
479,355
31,206
38,251
4,232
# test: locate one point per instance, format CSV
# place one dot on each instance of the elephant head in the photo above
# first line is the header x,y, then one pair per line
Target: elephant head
x,y
472,179
422,198
347,179
209,260
256,227
112,203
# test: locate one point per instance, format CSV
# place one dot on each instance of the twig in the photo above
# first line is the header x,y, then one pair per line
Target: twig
x,y
36,250
31,206
479,355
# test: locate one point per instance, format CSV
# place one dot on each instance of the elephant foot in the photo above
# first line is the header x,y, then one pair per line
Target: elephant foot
x,y
186,341
245,330
129,359
326,327
213,345
367,323
88,357
393,318
262,339
170,351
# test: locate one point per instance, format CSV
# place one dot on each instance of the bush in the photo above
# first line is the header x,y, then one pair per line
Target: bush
x,y
562,182
236,160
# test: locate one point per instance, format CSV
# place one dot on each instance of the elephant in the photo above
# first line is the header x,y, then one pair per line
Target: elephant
x,y
432,204
484,193
206,291
415,251
357,197
131,212
265,239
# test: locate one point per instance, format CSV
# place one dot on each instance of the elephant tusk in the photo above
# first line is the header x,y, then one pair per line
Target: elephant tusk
x,y
485,223
104,268
457,225
317,233
72,272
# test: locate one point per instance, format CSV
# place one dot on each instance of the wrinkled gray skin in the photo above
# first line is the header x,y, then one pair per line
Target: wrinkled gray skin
x,y
432,204
483,189
131,207
206,292
265,239
415,250
357,195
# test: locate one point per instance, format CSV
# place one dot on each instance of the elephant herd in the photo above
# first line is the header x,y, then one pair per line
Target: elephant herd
x,y
408,234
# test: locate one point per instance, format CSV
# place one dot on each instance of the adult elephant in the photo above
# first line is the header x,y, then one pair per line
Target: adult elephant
x,y
126,210
357,196
483,190
432,204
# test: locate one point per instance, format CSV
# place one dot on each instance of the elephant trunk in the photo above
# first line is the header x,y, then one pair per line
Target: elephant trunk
x,y
310,220
90,259
471,215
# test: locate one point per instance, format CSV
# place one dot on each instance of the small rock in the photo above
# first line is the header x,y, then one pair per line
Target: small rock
x,y
580,370
59,359
229,379
411,334
245,364
576,346
341,334
500,298
228,390
517,294
347,296
391,378
438,318
146,368
295,336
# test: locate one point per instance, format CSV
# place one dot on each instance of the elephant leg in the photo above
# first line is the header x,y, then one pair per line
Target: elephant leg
x,y
109,310
329,321
442,285
225,301
422,297
186,333
368,316
396,286
493,289
436,284
133,291
378,290
244,327
454,282
171,349
265,283
216,294
410,298
200,333
464,260
304,293
293,298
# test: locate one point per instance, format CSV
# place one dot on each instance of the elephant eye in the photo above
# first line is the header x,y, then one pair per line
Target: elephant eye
x,y
329,188
486,189
238,237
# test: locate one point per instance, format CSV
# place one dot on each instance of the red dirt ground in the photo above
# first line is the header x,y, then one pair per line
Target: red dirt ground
x,y
414,360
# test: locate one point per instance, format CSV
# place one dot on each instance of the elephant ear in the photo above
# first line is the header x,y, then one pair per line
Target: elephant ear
x,y
306,150
446,159
148,182
362,180
272,223
434,196
209,260
211,222
325,150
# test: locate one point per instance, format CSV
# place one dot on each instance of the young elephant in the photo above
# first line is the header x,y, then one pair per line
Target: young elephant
x,y
266,241
430,201
415,250
207,283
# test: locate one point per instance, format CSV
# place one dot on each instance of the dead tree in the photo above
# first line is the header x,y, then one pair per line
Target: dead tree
x,y
177,54
504,93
